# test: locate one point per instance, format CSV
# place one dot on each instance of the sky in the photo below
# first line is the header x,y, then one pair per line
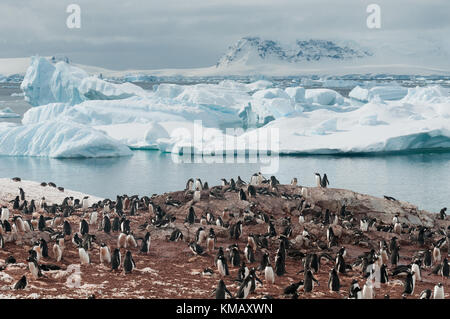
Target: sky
x,y
150,34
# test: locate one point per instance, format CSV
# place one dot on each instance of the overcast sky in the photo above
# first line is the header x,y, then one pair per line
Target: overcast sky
x,y
149,34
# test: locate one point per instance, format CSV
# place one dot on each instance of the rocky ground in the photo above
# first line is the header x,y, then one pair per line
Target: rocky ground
x,y
171,270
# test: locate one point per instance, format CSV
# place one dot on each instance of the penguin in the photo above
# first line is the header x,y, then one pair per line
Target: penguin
x,y
197,196
21,194
84,227
84,256
425,294
189,184
442,214
219,221
21,284
280,266
190,219
198,184
409,284
294,181
249,254
196,249
251,242
438,292
93,218
221,292
122,240
368,291
355,290
57,251
340,266
395,257
211,241
331,237
20,225
200,235
309,281
271,229
301,219
333,281
383,274
242,272
85,203
176,235
251,191
427,258
105,254
415,267
397,228
203,221
106,224
264,261
268,273
145,246
34,268
436,254
116,259
128,263
67,229
318,180
116,224
235,258
44,247
324,181
242,195
222,266
5,214
130,241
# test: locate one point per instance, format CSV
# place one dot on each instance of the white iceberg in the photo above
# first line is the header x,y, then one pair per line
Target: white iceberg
x,y
8,113
58,139
323,97
296,93
46,83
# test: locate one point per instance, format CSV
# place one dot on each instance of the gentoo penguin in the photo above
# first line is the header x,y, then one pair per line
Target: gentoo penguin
x,y
130,241
189,184
268,273
224,182
331,238
242,272
93,218
318,180
106,224
222,266
355,291
34,268
128,263
67,229
264,261
324,182
44,247
309,281
176,235
121,240
85,203
197,197
200,235
248,285
249,254
301,218
395,257
235,258
196,249
294,181
5,214
251,241
190,218
442,214
116,224
364,225
383,274
221,291
105,254
116,259
84,227
438,291
425,294
145,246
211,241
251,191
242,195
397,228
333,281
292,288
280,266
410,283
395,219
219,221
21,284
368,291
20,225
198,184
57,251
203,220
415,267
16,203
84,255
21,193
436,254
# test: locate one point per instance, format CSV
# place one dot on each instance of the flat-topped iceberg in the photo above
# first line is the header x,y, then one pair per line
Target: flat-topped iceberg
x,y
8,113
58,139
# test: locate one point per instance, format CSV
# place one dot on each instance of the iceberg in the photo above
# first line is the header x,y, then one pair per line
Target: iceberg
x,y
46,83
58,139
323,97
8,113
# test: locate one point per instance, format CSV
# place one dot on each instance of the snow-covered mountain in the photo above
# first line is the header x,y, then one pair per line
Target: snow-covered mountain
x,y
254,50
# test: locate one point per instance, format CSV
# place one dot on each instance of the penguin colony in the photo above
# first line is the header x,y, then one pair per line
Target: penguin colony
x,y
222,242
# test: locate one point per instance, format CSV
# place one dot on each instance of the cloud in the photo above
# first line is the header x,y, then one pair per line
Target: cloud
x,y
160,34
